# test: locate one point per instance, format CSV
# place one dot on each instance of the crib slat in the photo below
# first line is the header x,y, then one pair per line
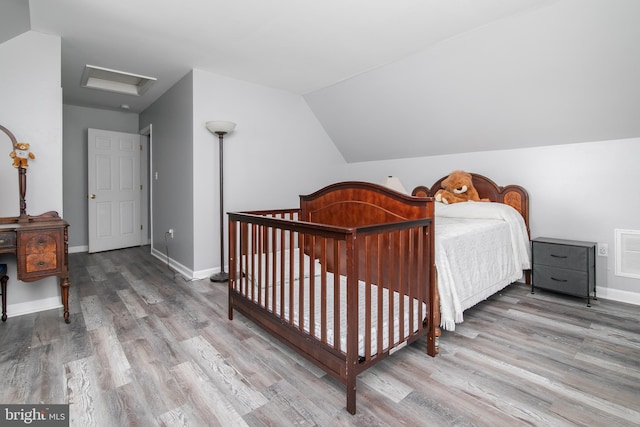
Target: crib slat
x,y
412,279
273,254
367,308
323,290
392,285
380,293
292,238
303,239
337,303
401,284
312,286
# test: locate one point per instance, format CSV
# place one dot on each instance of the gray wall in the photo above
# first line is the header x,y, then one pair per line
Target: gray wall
x,y
278,151
19,21
77,121
572,188
172,197
31,108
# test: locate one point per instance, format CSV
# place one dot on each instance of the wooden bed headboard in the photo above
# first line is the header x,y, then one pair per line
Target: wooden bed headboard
x,y
512,195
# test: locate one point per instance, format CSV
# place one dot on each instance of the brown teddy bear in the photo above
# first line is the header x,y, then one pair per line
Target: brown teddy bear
x,y
458,187
21,155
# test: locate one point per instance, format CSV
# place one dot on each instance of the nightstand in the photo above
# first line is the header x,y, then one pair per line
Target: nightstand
x,y
566,266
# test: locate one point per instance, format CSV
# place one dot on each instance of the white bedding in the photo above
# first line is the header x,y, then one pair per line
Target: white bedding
x,y
481,247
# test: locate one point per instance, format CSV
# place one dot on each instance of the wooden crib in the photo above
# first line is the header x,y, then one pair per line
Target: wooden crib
x,y
346,279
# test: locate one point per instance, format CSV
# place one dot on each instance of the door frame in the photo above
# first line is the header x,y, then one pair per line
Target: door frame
x,y
146,205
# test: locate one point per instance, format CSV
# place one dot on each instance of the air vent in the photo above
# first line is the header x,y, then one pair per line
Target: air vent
x,y
628,253
115,81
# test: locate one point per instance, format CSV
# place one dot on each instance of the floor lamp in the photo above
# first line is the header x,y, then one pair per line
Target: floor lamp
x,y
221,128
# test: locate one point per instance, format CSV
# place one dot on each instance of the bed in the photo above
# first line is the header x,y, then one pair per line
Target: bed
x,y
348,277
480,247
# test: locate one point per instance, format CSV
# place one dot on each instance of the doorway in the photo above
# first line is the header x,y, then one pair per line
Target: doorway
x,y
118,189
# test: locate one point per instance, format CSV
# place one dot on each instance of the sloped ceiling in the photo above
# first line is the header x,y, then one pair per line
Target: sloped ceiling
x,y
385,79
560,74
294,45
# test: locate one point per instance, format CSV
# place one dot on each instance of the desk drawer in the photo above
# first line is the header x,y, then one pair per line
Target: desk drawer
x,y
41,262
7,239
40,253
41,243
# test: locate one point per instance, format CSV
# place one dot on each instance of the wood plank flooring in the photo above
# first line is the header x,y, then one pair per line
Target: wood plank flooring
x,y
146,347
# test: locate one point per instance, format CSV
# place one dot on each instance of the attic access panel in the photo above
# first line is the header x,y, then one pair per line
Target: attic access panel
x,y
115,81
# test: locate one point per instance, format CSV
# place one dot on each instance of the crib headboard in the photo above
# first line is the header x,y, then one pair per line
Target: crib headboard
x,y
359,204
354,204
512,195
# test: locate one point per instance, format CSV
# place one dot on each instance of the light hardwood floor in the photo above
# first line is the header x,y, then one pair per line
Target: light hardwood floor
x,y
146,348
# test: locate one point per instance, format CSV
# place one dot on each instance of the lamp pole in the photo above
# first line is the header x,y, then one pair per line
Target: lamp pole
x,y
222,276
221,128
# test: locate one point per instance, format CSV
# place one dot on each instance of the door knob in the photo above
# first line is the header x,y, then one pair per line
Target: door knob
x,y
93,196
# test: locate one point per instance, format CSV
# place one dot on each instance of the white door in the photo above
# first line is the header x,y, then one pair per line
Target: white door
x,y
114,190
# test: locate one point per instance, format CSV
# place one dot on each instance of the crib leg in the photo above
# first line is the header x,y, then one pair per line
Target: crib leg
x,y
433,347
351,394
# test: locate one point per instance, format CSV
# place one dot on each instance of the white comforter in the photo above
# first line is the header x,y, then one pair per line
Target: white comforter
x,y
481,247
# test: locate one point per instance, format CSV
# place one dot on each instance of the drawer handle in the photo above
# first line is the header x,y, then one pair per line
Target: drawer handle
x,y
558,256
1,241
558,280
41,263
41,242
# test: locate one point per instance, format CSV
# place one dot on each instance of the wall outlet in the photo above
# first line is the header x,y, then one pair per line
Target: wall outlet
x,y
603,249
170,232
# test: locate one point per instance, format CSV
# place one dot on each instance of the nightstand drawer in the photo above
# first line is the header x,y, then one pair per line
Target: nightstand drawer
x,y
572,282
572,257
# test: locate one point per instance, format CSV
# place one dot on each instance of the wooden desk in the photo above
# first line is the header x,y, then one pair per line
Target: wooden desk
x,y
41,247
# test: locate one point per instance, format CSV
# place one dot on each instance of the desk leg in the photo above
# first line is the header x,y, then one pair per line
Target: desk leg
x,y
64,288
3,283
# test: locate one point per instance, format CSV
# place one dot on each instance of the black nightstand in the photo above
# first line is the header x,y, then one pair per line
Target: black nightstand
x,y
566,266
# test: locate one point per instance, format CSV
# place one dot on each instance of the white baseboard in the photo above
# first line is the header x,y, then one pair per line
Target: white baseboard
x,y
78,249
172,263
34,306
618,295
186,272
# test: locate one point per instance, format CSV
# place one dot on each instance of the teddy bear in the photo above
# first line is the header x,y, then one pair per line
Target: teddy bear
x,y
21,155
458,187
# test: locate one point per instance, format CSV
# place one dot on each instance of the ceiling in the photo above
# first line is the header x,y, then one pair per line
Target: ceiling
x,y
294,45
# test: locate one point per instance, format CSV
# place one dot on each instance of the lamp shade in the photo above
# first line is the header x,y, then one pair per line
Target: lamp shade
x,y
219,126
393,182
